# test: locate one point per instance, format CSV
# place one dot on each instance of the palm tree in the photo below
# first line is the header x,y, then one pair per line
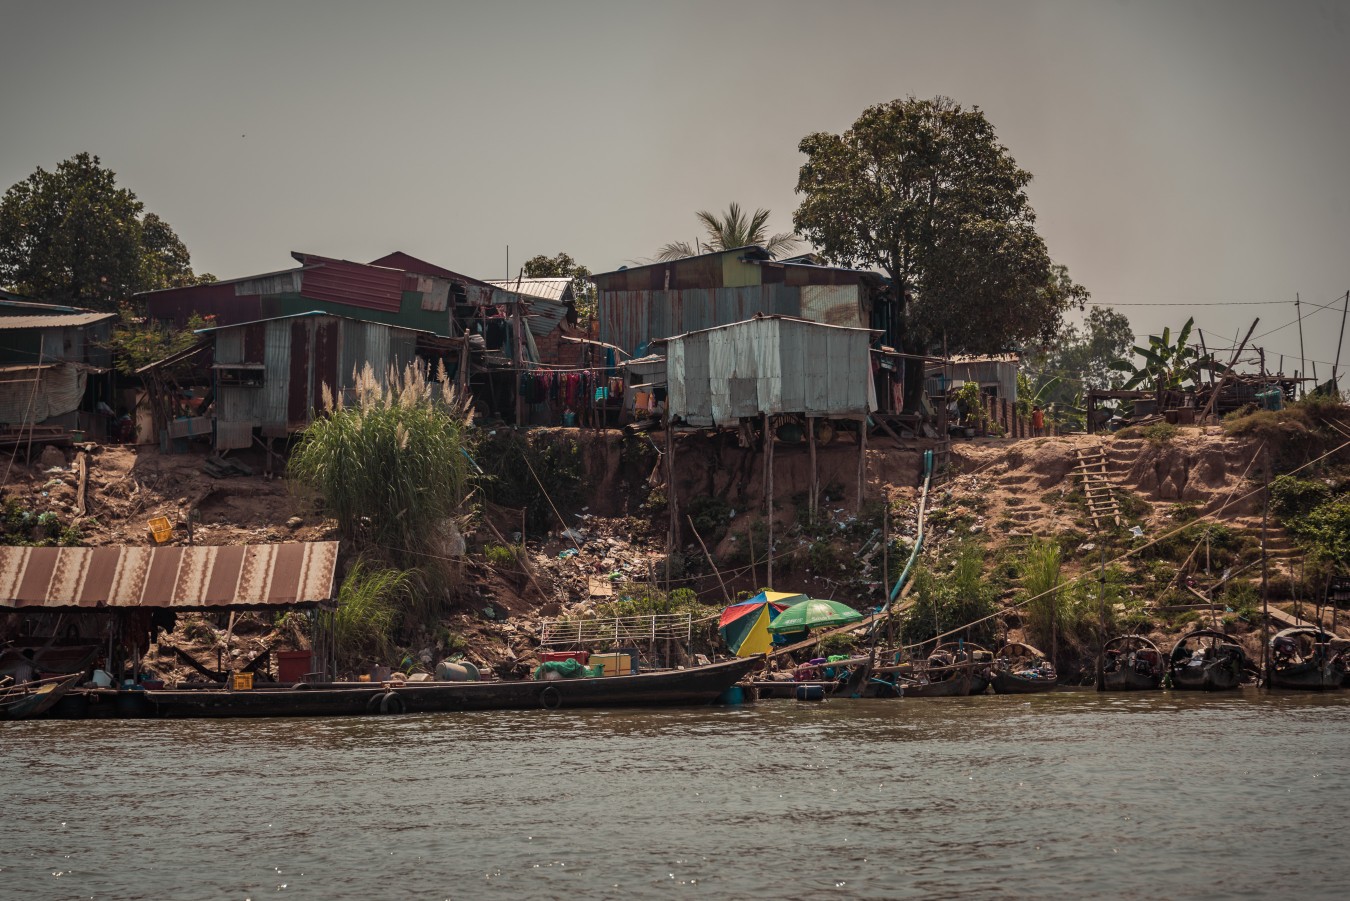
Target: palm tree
x,y
734,229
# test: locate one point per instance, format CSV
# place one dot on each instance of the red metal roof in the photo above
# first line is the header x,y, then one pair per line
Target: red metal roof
x,y
180,577
408,263
354,284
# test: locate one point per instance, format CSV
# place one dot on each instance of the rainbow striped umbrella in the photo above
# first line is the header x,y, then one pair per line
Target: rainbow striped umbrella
x,y
745,626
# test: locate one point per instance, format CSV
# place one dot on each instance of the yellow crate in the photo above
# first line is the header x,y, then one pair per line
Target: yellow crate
x,y
241,681
161,528
614,664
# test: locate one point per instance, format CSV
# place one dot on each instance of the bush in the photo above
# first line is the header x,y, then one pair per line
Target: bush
x,y
942,605
519,465
368,611
1159,432
390,466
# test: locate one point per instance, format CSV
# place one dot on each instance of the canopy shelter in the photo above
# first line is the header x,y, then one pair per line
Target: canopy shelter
x,y
812,614
68,604
184,578
745,626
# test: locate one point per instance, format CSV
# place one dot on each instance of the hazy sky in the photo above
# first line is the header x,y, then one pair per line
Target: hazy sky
x,y
1184,153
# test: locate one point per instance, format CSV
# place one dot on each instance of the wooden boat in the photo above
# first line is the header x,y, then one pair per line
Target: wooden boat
x,y
1206,660
1131,663
698,685
1308,659
33,699
1019,669
955,669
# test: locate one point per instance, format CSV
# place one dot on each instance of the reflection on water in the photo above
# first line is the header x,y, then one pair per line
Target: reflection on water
x,y
1058,795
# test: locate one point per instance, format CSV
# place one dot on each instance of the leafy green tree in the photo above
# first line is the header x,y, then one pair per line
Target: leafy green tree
x,y
923,190
74,236
563,266
732,229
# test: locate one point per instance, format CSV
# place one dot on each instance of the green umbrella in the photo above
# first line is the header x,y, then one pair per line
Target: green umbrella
x,y
812,614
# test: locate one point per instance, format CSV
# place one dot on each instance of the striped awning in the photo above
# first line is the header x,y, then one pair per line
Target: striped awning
x,y
181,577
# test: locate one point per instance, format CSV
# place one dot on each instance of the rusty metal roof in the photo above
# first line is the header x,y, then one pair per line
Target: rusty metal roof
x,y
55,320
180,577
549,288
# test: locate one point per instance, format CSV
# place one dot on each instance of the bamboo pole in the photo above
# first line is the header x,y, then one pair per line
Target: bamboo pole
x,y
862,461
814,504
768,492
725,593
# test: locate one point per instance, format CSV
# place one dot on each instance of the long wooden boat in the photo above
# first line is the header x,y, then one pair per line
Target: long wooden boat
x,y
1206,660
21,702
698,685
1020,669
1131,663
1307,659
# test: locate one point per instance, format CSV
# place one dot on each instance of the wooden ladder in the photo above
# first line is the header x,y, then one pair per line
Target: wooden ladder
x,y
1097,488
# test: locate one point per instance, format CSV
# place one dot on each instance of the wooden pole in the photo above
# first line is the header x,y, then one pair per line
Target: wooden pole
x,y
1265,577
1303,360
1336,365
725,593
768,493
862,461
814,504
516,358
670,494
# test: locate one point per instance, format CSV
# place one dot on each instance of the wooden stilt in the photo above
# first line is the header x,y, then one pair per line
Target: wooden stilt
x,y
862,461
814,502
768,493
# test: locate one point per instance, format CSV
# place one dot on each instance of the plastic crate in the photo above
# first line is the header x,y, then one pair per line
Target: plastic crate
x,y
241,681
161,529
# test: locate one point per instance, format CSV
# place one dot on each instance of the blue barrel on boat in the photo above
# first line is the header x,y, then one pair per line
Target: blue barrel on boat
x,y
810,692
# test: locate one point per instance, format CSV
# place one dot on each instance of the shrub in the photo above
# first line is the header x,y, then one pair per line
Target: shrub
x,y
944,604
390,465
1159,433
368,611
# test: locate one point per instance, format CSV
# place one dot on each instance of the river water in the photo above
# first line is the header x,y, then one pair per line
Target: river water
x,y
1065,795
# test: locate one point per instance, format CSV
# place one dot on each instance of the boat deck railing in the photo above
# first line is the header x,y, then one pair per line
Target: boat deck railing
x,y
617,629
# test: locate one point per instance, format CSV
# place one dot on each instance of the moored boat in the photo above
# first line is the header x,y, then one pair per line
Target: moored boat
x,y
33,699
1019,668
955,669
1308,659
697,685
1131,663
1206,660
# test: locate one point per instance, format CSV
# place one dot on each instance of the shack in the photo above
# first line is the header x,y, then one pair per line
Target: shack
x,y
642,304
775,379
770,366
47,357
996,374
271,375
73,605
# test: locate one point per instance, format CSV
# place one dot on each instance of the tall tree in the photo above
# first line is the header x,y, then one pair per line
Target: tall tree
x,y
730,230
74,236
563,266
923,190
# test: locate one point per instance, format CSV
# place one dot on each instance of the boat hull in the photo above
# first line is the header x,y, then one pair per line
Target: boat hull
x,y
1311,676
1012,684
1131,680
1216,675
700,685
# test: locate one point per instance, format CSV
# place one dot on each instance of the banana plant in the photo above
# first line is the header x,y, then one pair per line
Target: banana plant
x,y
1167,364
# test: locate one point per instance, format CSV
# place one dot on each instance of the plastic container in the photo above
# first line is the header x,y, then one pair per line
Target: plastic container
x,y
241,681
161,529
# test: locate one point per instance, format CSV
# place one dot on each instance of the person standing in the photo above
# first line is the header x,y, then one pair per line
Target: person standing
x,y
1037,421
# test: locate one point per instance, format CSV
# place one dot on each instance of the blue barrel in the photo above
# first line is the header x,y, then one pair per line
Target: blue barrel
x,y
810,692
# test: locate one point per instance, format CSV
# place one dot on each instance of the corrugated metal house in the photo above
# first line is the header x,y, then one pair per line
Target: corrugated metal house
x,y
396,289
769,364
642,304
47,353
550,316
996,375
270,375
